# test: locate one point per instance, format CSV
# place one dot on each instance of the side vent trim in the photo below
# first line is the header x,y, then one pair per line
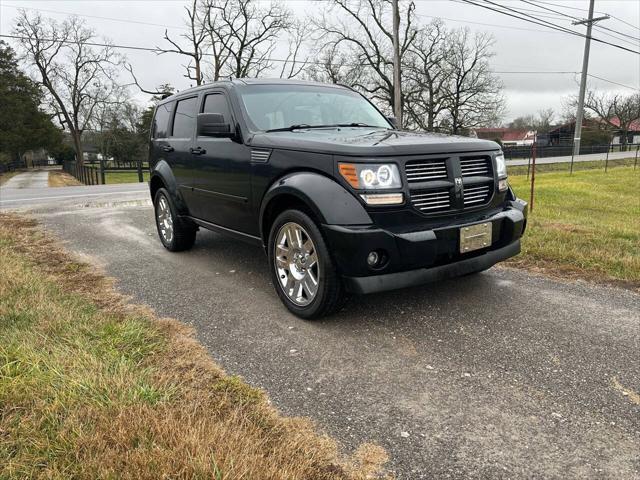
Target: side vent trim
x,y
260,156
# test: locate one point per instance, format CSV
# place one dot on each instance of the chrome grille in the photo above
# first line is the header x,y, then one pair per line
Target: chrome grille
x,y
476,195
426,170
432,201
475,166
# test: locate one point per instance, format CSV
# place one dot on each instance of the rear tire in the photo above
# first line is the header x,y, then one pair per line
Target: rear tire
x,y
176,233
301,267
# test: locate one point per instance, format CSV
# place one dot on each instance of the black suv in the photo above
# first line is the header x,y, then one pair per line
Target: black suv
x,y
339,198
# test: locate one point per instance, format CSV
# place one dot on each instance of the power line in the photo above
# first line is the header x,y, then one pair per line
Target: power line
x,y
636,27
550,10
123,20
544,23
600,27
615,83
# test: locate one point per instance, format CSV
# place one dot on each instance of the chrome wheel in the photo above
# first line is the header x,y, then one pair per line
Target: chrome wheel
x,y
164,219
296,263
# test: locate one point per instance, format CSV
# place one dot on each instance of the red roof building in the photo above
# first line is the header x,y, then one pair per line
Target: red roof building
x,y
506,136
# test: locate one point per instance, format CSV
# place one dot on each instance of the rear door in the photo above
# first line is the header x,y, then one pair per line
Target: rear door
x,y
223,182
179,145
160,133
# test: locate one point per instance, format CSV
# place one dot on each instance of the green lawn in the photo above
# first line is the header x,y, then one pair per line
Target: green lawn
x,y
585,225
124,177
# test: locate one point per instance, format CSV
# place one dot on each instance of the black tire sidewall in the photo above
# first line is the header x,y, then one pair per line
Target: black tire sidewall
x,y
327,269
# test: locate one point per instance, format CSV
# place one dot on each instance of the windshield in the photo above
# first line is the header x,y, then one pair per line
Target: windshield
x,y
271,107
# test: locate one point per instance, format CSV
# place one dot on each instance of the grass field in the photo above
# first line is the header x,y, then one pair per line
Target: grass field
x,y
124,177
584,225
92,387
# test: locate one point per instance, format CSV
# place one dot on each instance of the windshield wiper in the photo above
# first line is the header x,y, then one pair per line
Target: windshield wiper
x,y
290,128
360,124
304,125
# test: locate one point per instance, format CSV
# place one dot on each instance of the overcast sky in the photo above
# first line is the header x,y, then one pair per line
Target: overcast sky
x,y
519,46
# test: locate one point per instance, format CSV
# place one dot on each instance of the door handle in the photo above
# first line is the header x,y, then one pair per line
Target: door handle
x,y
198,151
167,148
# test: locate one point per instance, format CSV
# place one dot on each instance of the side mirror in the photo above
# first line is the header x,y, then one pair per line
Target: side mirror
x,y
393,121
213,125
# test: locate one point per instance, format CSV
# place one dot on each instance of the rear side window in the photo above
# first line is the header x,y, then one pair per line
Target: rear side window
x,y
217,103
161,120
184,121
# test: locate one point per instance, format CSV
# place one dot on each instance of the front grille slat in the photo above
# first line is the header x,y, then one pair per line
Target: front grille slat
x,y
476,195
475,166
426,170
434,201
439,197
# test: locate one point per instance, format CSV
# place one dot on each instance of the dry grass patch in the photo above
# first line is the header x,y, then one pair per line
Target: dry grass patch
x,y
4,177
93,387
58,178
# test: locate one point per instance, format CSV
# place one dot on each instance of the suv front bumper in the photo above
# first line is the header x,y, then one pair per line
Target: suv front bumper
x,y
418,257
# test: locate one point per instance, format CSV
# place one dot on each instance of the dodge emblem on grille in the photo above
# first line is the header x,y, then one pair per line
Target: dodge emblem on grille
x,y
458,181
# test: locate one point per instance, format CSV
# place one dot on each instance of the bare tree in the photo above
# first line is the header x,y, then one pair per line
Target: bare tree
x,y
427,78
474,97
545,119
218,37
196,38
292,65
77,77
541,123
615,110
363,29
243,35
334,67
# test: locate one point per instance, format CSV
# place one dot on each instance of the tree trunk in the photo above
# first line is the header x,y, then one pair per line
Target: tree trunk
x,y
77,146
624,136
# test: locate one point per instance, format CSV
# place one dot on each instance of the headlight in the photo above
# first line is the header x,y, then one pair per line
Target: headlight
x,y
371,176
501,166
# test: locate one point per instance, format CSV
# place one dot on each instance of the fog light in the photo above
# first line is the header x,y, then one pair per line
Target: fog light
x,y
373,258
503,185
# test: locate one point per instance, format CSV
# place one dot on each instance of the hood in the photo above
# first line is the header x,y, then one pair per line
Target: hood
x,y
369,142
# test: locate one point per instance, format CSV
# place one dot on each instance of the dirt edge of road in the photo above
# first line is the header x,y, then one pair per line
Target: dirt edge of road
x,y
58,178
187,417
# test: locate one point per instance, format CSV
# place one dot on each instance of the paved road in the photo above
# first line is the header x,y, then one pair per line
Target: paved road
x,y
33,179
25,190
501,375
567,159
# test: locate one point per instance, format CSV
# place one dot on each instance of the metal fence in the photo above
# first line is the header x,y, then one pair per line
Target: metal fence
x,y
94,173
524,151
11,166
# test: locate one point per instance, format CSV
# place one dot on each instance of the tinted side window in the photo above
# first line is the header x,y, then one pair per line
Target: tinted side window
x,y
184,121
217,103
161,120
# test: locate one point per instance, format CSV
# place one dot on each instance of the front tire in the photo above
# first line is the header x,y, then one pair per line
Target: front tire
x,y
176,234
301,267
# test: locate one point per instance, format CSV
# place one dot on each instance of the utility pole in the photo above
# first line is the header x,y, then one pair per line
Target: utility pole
x,y
397,89
583,78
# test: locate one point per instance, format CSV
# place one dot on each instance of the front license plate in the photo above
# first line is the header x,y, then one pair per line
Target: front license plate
x,y
475,237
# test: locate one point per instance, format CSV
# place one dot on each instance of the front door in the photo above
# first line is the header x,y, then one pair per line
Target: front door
x,y
222,184
179,146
